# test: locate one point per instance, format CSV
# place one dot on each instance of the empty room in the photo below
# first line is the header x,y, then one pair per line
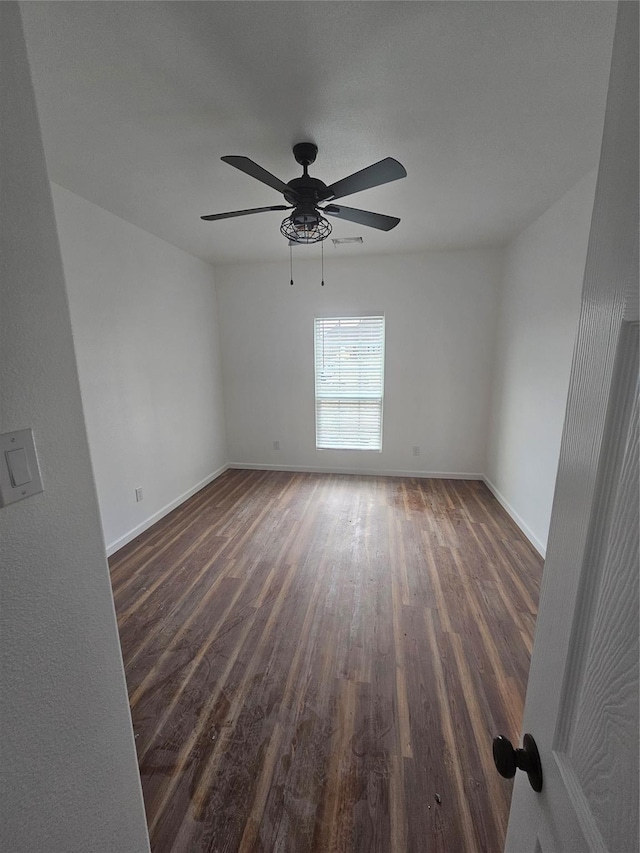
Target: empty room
x,y
319,519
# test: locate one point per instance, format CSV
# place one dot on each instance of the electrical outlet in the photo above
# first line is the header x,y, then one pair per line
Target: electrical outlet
x,y
276,445
138,495
416,450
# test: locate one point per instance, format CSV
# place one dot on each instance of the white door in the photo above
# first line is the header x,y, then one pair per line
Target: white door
x,y
582,698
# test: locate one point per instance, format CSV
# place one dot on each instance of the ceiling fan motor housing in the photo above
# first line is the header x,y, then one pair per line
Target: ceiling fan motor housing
x,y
307,191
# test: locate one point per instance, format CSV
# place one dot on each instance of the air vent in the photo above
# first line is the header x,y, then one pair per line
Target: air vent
x,y
340,241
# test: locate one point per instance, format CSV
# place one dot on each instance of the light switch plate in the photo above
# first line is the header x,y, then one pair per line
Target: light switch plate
x,y
19,470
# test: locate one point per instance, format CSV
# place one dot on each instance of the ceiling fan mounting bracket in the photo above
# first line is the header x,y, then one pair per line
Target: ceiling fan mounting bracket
x,y
305,153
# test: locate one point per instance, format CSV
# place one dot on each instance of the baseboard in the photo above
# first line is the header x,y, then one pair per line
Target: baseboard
x,y
256,466
149,522
524,527
369,472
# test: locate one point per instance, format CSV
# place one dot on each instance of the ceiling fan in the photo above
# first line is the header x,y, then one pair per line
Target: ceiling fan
x,y
310,198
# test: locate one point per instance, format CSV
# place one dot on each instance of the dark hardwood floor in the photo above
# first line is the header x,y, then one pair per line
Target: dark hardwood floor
x,y
320,662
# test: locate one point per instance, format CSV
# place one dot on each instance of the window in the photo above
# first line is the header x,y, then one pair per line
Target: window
x,y
349,356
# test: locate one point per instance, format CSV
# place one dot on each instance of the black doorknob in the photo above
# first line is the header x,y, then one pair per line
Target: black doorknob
x,y
508,760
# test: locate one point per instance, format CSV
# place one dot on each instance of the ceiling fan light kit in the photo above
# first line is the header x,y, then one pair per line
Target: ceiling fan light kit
x,y
305,227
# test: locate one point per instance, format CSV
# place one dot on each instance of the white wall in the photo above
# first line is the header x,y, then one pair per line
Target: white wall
x,y
440,314
70,780
145,327
539,306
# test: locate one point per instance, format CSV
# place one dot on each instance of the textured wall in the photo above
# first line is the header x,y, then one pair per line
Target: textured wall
x,y
145,329
70,782
440,315
539,306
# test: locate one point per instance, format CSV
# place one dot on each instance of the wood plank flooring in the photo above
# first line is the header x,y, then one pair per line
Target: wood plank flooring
x,y
312,658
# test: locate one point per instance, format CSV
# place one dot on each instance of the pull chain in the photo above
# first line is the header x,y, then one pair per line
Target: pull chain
x,y
321,262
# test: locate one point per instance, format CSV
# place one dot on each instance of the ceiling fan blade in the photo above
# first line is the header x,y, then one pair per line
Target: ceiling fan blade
x,y
362,217
212,217
379,173
250,168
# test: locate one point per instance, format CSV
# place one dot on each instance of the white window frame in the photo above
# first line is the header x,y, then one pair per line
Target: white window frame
x,y
356,399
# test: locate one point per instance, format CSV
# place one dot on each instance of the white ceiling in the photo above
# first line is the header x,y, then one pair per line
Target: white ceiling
x,y
494,108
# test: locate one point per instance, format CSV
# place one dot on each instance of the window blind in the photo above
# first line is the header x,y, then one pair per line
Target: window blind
x,y
349,364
